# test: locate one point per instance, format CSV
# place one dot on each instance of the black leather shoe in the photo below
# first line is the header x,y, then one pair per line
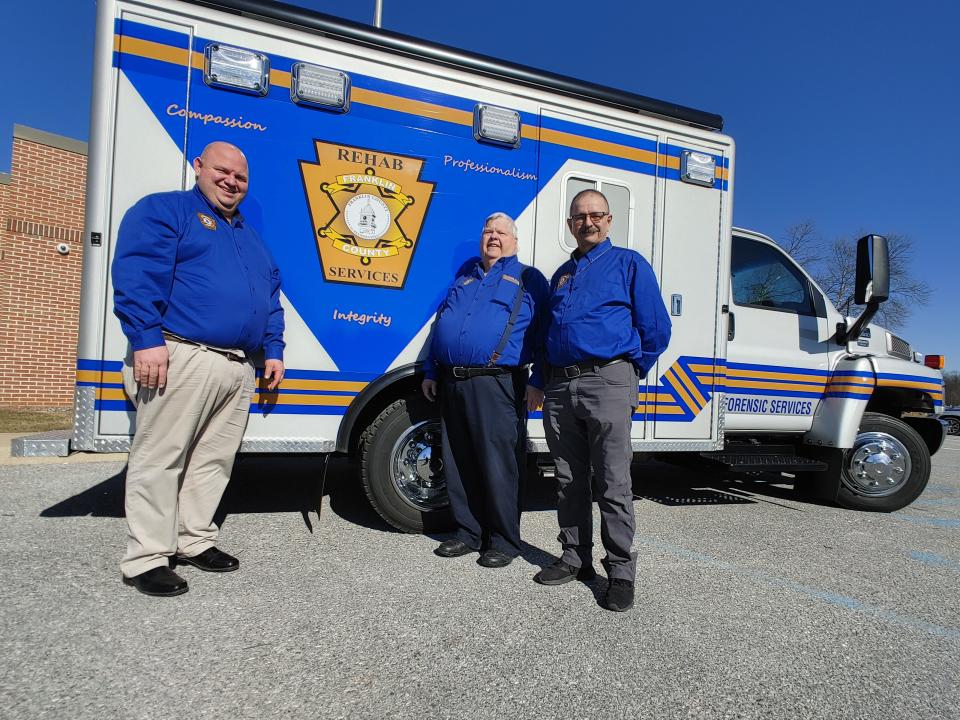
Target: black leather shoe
x,y
158,581
560,573
494,559
212,560
619,595
453,548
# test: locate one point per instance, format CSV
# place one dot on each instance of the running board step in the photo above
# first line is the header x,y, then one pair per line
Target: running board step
x,y
760,462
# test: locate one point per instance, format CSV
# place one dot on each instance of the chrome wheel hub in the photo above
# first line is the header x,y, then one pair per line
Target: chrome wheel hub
x,y
877,465
417,469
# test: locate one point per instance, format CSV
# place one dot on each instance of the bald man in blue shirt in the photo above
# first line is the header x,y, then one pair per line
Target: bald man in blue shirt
x,y
196,292
486,332
607,327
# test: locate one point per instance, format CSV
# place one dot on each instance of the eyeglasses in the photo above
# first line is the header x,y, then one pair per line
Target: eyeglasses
x,y
582,217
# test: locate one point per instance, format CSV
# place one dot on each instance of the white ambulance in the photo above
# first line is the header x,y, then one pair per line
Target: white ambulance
x,y
375,158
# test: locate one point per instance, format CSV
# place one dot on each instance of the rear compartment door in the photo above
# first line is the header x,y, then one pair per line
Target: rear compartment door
x,y
579,152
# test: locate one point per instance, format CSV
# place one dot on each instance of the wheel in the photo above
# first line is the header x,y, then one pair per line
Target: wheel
x,y
401,468
953,425
886,469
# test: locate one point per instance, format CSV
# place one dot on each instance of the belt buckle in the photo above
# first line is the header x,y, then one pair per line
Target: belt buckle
x,y
576,372
459,372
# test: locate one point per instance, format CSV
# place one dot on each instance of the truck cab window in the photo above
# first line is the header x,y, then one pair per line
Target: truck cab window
x,y
763,276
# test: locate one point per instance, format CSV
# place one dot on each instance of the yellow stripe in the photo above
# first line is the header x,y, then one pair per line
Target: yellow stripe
x,y
414,107
269,399
928,385
88,376
159,51
766,385
843,387
691,388
111,394
771,375
339,385
678,386
602,146
715,370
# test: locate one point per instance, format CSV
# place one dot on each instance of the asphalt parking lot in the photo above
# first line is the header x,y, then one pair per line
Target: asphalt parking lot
x,y
750,605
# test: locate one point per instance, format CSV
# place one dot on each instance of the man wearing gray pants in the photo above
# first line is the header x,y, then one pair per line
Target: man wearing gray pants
x,y
608,325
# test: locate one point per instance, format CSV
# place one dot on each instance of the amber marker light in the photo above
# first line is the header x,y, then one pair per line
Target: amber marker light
x,y
934,361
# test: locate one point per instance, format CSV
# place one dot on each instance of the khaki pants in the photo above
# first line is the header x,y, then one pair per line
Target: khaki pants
x,y
182,454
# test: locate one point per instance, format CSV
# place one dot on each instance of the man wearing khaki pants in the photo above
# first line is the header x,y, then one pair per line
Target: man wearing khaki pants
x,y
196,292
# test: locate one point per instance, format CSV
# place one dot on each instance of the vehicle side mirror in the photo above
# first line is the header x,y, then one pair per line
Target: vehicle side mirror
x,y
873,271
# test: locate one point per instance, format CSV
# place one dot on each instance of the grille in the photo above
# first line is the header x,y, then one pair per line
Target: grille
x,y
898,347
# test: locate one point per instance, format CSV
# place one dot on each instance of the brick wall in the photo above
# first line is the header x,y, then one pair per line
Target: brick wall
x,y
41,206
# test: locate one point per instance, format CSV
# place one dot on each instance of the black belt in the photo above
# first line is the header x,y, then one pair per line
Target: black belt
x,y
228,354
577,369
463,373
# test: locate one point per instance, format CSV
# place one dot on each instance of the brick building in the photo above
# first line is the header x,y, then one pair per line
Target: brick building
x,y
41,258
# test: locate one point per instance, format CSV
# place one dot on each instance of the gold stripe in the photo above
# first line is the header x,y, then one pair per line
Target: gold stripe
x,y
601,146
270,399
413,107
768,385
709,370
111,394
678,386
923,385
691,388
772,375
88,376
836,387
341,385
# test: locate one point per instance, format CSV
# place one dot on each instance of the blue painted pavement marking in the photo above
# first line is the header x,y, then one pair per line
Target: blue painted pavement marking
x,y
948,523
843,601
933,559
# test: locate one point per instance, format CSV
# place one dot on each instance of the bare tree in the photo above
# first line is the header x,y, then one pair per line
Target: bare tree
x,y
951,382
833,266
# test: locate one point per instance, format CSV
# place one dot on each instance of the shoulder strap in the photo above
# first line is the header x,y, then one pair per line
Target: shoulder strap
x,y
505,338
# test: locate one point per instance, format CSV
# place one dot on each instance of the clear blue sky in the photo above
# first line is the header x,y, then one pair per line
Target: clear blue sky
x,y
844,112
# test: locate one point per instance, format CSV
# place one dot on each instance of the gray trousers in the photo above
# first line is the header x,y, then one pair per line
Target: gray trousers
x,y
587,422
182,454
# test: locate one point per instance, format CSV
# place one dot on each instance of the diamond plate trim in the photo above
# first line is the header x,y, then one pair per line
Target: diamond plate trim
x,y
119,444
55,443
288,445
84,418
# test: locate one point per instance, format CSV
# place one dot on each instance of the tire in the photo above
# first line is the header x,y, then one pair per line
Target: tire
x,y
401,469
953,425
886,469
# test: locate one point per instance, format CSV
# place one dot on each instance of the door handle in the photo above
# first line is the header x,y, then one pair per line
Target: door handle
x,y
731,326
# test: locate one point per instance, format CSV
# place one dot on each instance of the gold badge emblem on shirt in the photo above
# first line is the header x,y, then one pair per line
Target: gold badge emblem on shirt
x,y
357,197
207,221
564,279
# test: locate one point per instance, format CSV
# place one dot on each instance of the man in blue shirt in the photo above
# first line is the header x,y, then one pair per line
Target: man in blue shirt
x,y
608,325
197,292
486,332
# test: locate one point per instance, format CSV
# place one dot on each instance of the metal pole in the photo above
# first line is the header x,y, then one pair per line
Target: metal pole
x,y
378,13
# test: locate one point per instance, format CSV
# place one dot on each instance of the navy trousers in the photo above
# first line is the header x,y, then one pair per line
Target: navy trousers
x,y
484,422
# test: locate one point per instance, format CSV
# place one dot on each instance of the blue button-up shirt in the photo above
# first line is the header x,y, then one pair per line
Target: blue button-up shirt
x,y
182,267
606,304
472,318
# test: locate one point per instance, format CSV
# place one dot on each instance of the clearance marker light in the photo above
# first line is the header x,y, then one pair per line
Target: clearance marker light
x,y
496,125
320,87
697,168
934,361
236,69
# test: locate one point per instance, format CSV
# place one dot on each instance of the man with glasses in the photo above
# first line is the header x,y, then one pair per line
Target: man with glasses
x,y
486,332
607,326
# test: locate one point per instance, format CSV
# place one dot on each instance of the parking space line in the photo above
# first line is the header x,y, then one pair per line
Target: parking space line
x,y
843,601
930,558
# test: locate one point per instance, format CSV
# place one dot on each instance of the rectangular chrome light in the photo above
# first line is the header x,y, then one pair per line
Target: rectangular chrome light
x,y
697,168
319,86
496,125
236,69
